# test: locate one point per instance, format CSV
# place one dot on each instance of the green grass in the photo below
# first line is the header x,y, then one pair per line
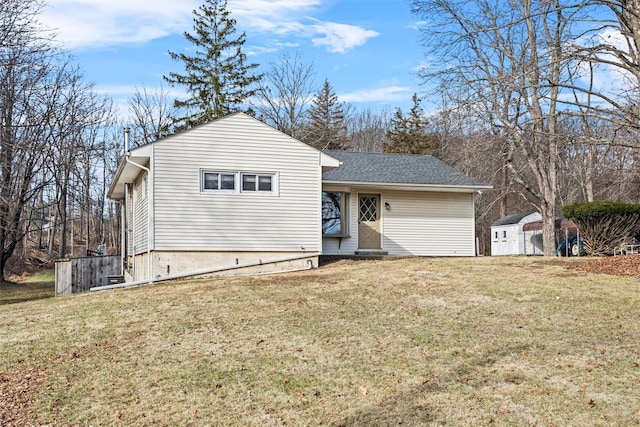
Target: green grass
x,y
39,286
482,341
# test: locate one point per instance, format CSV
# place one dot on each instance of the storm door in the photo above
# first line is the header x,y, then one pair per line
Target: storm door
x,y
369,222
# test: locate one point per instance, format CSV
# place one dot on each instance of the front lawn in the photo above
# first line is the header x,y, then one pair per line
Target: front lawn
x,y
451,341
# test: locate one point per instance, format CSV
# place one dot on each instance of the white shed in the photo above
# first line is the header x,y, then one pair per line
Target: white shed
x,y
508,237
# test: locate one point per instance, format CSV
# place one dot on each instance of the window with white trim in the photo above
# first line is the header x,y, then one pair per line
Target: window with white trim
x,y
218,181
257,182
238,182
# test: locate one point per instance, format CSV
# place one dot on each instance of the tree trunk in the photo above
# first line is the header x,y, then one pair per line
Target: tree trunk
x,y
62,210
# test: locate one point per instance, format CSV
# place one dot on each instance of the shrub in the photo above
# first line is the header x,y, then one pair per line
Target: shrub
x,y
604,225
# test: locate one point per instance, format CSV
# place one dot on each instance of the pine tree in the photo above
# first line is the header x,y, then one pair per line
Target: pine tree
x,y
408,134
327,129
216,77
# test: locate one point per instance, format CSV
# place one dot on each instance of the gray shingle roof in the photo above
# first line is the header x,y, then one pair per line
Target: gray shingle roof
x,y
511,219
396,169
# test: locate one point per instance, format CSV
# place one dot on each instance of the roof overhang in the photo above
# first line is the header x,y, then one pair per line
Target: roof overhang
x,y
407,187
127,172
327,162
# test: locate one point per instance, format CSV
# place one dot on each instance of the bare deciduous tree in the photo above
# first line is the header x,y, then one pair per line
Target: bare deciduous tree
x,y
285,92
151,114
368,130
51,125
507,58
27,77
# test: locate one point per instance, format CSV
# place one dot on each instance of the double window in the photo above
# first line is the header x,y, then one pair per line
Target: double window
x,y
334,214
257,182
238,182
218,181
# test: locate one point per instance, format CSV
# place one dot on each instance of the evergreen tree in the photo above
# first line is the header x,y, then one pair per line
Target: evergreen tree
x,y
408,134
216,77
327,129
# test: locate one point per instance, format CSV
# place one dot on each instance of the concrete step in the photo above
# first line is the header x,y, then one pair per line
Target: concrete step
x,y
371,252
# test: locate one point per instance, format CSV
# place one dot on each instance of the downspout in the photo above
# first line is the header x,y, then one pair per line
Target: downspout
x,y
124,236
131,162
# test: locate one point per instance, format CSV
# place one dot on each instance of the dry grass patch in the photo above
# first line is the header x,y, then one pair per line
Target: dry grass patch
x,y
483,341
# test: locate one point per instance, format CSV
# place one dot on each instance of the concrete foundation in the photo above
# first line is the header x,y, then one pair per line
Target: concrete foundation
x,y
166,263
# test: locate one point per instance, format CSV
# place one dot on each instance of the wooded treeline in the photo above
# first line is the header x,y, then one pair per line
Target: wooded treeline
x,y
514,90
56,147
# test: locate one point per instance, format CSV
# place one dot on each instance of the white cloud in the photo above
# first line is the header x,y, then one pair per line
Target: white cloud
x,y
290,18
261,13
127,91
422,67
607,78
338,38
92,23
418,25
614,38
382,94
99,23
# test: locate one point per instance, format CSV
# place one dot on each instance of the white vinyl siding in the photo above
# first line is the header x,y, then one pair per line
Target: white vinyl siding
x,y
141,214
186,218
429,224
129,220
418,223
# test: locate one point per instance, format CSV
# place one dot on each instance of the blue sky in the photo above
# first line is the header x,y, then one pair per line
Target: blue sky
x,y
369,50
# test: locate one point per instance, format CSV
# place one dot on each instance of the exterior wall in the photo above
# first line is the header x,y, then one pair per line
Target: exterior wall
x,y
532,243
507,240
128,216
172,263
417,223
140,214
429,224
140,268
187,219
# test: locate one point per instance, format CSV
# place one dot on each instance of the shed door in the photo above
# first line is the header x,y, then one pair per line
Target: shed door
x,y
369,222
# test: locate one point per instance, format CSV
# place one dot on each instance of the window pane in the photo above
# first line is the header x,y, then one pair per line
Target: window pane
x,y
368,209
210,181
228,182
248,183
264,183
332,213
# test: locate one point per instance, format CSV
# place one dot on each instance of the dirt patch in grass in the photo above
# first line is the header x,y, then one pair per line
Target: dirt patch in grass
x,y
17,389
624,265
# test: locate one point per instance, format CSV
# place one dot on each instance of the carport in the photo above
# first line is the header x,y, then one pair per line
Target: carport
x,y
561,223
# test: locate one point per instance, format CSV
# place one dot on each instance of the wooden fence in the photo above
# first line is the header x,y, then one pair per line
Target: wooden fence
x,y
75,275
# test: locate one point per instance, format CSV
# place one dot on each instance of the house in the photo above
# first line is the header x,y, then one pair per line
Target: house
x,y
510,237
235,193
399,204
